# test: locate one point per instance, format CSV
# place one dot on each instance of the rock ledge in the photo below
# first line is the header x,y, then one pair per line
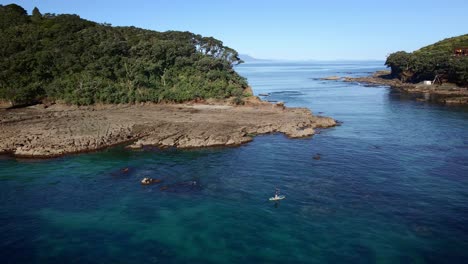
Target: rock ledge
x,y
59,129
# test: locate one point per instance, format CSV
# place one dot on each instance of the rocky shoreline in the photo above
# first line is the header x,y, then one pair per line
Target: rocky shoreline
x,y
42,132
445,94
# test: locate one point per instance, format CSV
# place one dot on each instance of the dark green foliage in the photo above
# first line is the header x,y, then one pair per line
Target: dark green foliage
x,y
12,15
447,45
399,62
67,58
36,15
426,63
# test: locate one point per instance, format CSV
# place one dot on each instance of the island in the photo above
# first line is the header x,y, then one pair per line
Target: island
x,y
69,85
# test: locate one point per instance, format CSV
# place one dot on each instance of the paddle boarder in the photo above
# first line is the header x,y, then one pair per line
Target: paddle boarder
x,y
277,193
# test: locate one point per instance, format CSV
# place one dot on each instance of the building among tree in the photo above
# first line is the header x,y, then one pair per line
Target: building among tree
x,y
461,51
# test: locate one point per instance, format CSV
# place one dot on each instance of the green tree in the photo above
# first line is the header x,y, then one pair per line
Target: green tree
x,y
426,63
64,57
36,15
12,15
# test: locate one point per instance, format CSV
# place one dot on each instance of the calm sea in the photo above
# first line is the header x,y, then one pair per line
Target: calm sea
x,y
391,186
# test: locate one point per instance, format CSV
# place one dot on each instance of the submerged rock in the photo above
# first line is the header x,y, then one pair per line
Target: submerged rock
x,y
148,181
182,187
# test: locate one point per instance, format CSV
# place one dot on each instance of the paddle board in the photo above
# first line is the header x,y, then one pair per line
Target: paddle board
x,y
280,197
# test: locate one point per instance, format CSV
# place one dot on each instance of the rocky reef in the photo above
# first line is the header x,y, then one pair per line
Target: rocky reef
x,y
41,131
446,93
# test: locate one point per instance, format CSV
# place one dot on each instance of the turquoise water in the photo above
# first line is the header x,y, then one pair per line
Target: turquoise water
x,y
391,187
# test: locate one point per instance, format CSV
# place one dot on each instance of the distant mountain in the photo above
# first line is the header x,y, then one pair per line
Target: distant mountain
x,y
248,58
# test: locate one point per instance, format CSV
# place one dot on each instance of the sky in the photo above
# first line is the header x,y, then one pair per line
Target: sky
x,y
285,29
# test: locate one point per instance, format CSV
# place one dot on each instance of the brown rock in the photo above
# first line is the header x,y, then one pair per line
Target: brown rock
x,y
60,129
331,78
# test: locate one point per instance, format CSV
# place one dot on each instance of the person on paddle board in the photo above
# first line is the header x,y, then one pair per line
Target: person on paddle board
x,y
277,193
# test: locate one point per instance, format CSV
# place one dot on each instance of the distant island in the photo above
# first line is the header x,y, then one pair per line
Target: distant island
x,y
248,58
437,73
69,85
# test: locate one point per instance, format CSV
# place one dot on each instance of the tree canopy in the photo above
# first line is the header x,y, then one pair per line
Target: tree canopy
x,y
64,57
427,62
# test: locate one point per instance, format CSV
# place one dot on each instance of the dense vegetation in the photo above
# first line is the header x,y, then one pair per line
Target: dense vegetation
x,y
437,59
64,57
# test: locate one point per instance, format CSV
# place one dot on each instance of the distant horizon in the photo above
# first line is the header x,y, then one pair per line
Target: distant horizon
x,y
298,30
303,60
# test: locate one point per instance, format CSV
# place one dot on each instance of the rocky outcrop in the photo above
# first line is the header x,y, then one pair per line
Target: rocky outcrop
x,y
446,93
57,130
378,78
331,78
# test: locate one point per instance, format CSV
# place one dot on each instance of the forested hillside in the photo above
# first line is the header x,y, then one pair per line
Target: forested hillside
x,y
64,57
436,59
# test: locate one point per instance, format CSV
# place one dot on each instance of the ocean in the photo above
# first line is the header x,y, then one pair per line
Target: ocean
x,y
390,186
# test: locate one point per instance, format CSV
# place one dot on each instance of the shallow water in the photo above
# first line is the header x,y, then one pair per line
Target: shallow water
x,y
390,186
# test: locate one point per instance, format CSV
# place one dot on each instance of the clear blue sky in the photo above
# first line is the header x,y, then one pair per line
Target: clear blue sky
x,y
286,29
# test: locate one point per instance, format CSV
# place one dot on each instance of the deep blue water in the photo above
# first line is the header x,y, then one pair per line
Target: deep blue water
x,y
391,187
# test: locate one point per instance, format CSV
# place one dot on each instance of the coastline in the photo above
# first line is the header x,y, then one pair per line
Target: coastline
x,y
44,132
448,94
